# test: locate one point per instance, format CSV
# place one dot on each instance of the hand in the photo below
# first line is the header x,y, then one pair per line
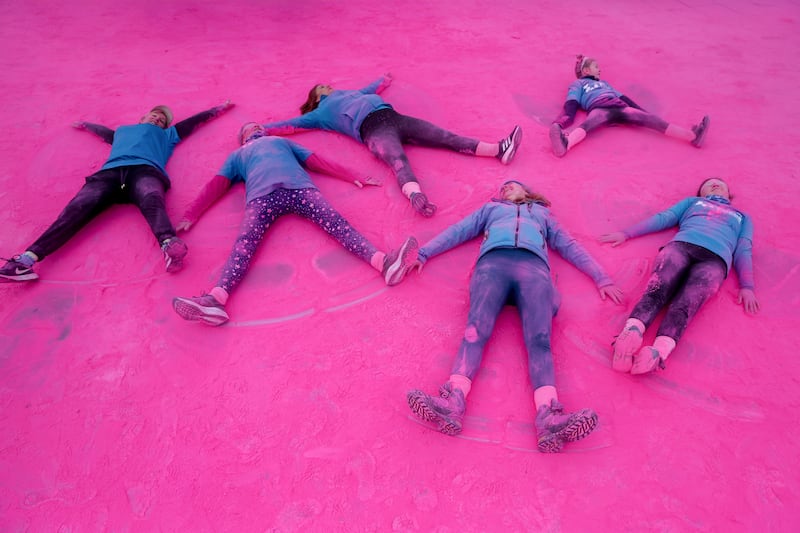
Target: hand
x,y
615,238
416,265
387,79
747,297
224,106
183,225
79,125
421,204
369,180
611,292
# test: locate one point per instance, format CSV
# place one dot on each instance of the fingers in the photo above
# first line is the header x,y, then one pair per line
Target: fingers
x,y
358,184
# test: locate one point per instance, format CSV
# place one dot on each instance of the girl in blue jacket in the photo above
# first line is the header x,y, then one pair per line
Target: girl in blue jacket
x,y
605,105
364,116
512,267
712,236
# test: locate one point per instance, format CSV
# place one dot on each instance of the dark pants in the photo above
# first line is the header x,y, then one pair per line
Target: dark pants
x,y
510,276
622,114
262,212
385,131
688,275
141,185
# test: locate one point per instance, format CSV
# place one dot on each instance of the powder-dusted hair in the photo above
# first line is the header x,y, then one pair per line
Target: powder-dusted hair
x,y
581,62
530,195
700,188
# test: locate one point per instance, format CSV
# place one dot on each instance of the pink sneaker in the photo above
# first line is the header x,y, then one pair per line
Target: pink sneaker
x,y
558,140
204,308
446,410
647,360
174,251
397,263
554,427
627,342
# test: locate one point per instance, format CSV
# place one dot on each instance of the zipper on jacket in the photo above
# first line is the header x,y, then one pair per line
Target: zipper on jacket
x,y
516,230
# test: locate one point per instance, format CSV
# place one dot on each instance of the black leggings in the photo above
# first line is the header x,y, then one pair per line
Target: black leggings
x,y
688,275
602,116
141,185
385,131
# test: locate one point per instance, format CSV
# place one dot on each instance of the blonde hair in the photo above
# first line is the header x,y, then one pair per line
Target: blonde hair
x,y
581,62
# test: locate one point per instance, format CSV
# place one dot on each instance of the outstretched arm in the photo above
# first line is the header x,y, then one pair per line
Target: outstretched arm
x,y
107,134
333,169
743,264
187,126
213,191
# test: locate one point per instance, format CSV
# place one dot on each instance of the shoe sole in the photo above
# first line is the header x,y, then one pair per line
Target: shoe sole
x,y
516,139
551,443
581,425
22,277
704,124
556,139
189,310
622,361
418,405
644,364
405,258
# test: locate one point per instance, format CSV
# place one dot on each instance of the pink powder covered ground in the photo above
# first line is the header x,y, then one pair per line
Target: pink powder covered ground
x,y
119,416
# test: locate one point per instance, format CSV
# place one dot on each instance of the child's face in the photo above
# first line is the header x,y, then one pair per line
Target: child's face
x,y
592,69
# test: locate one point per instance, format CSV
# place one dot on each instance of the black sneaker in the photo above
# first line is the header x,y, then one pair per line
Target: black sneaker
x,y
509,145
14,270
174,251
558,140
700,131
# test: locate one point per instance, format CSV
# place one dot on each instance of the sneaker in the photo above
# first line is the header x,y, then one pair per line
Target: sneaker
x,y
397,263
445,410
625,345
647,360
421,204
509,145
700,131
14,270
174,251
205,308
554,427
558,140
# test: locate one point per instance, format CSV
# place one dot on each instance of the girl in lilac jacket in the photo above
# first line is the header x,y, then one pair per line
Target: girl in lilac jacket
x,y
513,268
712,236
364,116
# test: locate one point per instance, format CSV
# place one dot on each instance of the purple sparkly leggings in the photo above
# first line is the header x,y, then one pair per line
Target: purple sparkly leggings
x,y
260,213
688,275
515,276
385,131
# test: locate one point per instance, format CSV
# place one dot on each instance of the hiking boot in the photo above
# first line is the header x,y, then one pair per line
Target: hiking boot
x,y
647,360
558,140
700,131
554,427
204,308
509,145
174,251
625,345
445,410
398,262
15,270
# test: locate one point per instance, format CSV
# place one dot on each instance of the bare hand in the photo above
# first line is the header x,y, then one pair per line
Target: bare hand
x,y
387,79
748,299
79,125
612,292
416,265
615,238
369,180
183,225
224,106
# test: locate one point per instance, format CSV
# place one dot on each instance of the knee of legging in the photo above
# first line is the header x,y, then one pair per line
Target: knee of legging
x,y
474,335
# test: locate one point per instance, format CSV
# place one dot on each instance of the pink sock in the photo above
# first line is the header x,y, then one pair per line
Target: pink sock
x,y
544,395
219,294
462,383
377,261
